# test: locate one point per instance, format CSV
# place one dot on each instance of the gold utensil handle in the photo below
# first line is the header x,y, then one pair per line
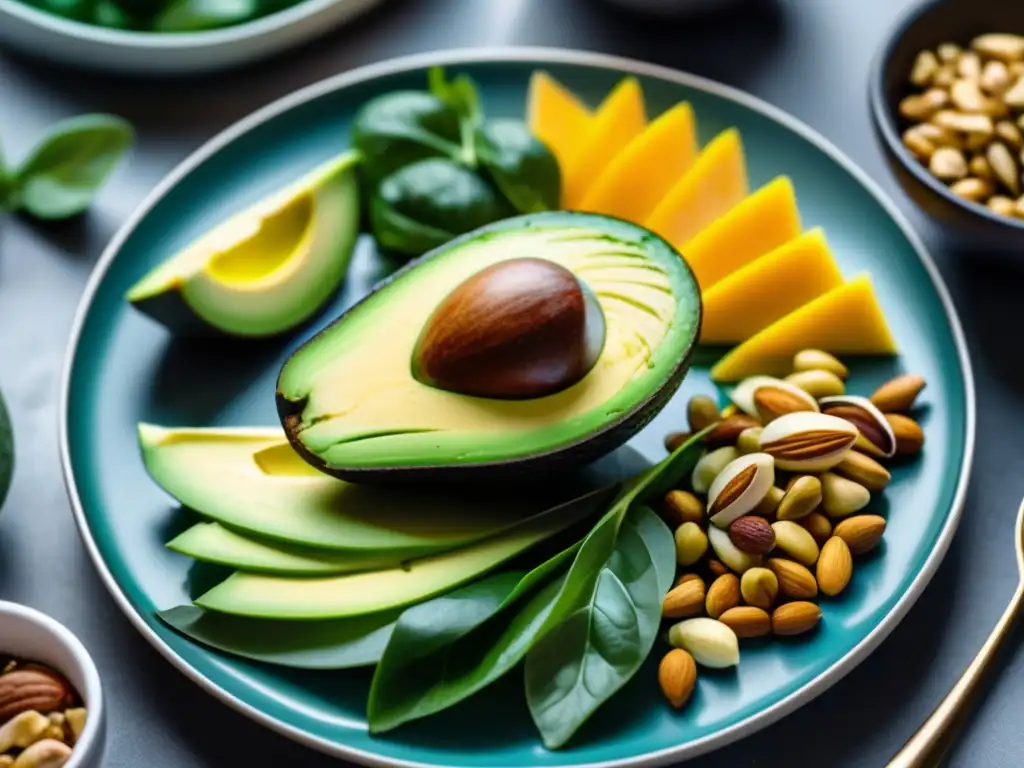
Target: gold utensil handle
x,y
926,748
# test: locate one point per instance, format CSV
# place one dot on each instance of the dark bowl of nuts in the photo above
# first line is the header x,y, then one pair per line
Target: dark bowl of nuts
x,y
51,705
947,102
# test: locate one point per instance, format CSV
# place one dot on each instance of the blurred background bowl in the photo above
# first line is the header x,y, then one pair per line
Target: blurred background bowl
x,y
924,26
28,634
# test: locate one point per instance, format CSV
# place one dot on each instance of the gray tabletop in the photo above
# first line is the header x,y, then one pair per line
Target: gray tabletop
x,y
808,56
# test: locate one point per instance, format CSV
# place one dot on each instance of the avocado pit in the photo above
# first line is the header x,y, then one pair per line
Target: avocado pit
x,y
519,329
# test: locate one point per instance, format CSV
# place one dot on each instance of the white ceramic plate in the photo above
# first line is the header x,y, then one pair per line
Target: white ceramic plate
x,y
83,45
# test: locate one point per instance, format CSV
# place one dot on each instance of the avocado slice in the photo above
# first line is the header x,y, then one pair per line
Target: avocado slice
x,y
266,269
355,403
253,481
213,543
329,597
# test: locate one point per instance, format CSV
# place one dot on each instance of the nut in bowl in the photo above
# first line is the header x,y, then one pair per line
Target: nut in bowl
x,y
51,705
947,103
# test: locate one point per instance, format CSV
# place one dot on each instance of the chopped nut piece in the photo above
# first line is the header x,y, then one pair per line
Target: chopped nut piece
x,y
925,66
948,164
945,76
995,78
1004,166
76,719
975,190
918,107
969,65
1014,97
949,52
1010,133
979,167
958,121
1004,47
1001,205
966,95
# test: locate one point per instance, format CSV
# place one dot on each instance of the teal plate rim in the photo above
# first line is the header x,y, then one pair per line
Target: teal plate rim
x,y
541,55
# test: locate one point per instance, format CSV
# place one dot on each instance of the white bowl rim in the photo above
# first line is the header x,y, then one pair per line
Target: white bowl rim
x,y
172,41
540,56
92,694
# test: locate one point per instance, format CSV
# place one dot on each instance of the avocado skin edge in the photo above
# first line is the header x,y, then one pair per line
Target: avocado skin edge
x,y
564,458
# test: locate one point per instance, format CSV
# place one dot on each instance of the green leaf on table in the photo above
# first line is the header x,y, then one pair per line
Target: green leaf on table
x,y
72,161
200,15
521,166
358,641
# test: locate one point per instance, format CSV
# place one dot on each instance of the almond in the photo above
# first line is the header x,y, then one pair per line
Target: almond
x,y
681,507
835,567
818,525
795,618
863,469
861,532
909,436
686,599
747,621
752,534
795,581
739,487
673,440
772,402
723,594
898,394
727,431
717,567
685,577
31,688
677,676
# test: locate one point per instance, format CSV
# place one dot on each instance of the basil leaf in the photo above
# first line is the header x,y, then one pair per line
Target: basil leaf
x,y
199,15
357,641
62,174
521,166
598,647
461,95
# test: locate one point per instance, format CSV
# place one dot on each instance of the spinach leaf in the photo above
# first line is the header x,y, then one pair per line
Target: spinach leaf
x,y
357,641
595,650
462,97
396,129
521,166
107,13
199,15
7,188
427,203
63,172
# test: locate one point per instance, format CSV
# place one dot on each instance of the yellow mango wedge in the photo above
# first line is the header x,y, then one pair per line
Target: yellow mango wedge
x,y
754,297
555,116
619,119
715,184
636,180
845,321
761,223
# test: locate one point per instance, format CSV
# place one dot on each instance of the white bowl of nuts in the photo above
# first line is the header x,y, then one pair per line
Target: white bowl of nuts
x,y
947,101
51,705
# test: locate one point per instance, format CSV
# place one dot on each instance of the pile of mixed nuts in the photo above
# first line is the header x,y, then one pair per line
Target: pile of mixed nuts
x,y
41,716
967,118
772,517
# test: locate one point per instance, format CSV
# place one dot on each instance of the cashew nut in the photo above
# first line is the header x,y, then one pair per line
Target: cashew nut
x,y
48,753
76,719
22,730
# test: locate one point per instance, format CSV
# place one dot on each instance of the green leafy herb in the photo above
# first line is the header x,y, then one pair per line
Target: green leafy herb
x,y
522,166
62,174
199,15
357,641
461,96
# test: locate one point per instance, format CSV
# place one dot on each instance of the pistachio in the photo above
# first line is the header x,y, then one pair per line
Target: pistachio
x,y
971,189
710,642
675,439
745,395
1010,133
818,525
863,469
682,507
795,618
966,95
898,394
23,729
925,66
685,599
908,433
1004,166
691,543
795,581
709,466
701,412
961,122
877,435
979,168
752,534
759,587
817,383
841,497
748,440
723,594
738,488
948,164
1005,47
949,53
677,676
835,566
796,541
811,442
820,360
995,77
728,431
861,532
770,503
732,556
1004,206
802,497
48,753
773,401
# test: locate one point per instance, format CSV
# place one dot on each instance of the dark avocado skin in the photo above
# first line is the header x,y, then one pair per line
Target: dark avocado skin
x,y
561,459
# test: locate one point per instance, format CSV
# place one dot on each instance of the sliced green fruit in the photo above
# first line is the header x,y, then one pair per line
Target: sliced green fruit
x,y
278,597
213,543
352,407
267,269
358,641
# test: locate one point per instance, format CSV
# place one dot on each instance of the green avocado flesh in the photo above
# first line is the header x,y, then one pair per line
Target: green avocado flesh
x,y
349,400
252,481
264,270
262,596
213,543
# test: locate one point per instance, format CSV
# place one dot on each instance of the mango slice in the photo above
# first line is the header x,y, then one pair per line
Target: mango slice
x,y
619,119
846,320
639,176
761,223
754,297
555,116
715,184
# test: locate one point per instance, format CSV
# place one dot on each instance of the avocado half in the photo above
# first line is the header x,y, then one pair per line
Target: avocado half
x,y
354,405
266,269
